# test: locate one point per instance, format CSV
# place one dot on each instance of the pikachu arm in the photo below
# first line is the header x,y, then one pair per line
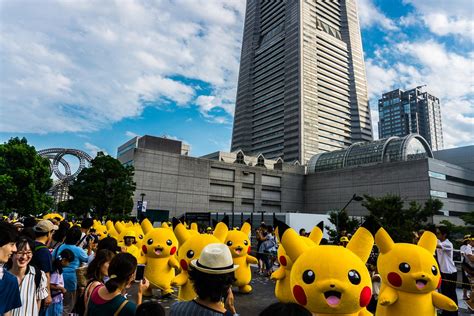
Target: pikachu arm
x,y
443,302
180,279
172,262
252,259
388,296
278,274
365,312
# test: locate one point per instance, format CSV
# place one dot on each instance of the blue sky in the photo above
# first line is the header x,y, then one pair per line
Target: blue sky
x,y
84,75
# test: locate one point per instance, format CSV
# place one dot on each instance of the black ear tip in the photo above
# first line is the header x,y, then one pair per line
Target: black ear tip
x,y
371,224
248,221
181,219
321,225
282,227
175,222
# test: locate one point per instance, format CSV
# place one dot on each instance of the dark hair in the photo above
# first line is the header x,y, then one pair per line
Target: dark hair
x,y
211,286
150,308
444,230
23,241
8,233
87,223
108,243
28,232
285,309
40,234
29,221
101,257
65,254
73,235
121,268
270,229
302,230
59,235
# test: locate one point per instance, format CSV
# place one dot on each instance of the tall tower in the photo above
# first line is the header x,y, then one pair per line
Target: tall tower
x,y
412,111
302,87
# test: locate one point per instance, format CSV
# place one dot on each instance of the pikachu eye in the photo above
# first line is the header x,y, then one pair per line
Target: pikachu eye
x,y
246,242
190,254
354,277
404,267
434,270
229,243
308,276
150,241
169,242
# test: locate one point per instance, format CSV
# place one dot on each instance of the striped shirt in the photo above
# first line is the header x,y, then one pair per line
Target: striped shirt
x,y
195,309
30,295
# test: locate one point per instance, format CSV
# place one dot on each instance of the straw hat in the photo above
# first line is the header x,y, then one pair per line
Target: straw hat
x,y
215,259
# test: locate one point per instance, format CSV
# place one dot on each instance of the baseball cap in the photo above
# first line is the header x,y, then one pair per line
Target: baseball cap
x,y
44,226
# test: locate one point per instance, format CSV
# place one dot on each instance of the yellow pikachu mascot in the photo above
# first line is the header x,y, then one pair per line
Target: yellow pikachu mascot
x,y
330,280
190,247
282,275
239,245
410,277
111,231
160,246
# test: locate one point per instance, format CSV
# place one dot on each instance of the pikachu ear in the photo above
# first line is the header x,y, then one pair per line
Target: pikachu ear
x,y
317,233
164,225
146,225
363,241
290,240
383,241
119,227
194,226
220,231
180,231
428,241
246,227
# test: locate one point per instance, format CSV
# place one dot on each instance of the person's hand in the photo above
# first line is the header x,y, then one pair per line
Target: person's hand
x,y
123,249
229,302
144,284
63,290
48,300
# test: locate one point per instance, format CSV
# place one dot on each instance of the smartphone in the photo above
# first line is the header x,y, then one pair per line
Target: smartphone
x,y
140,272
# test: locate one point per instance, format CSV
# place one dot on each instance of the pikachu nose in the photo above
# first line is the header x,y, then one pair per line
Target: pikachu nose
x,y
332,285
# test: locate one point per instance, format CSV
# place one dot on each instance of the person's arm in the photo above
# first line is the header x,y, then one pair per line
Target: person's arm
x,y
445,246
144,284
229,302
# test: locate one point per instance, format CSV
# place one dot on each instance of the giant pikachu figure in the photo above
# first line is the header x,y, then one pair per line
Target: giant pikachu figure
x,y
410,277
330,280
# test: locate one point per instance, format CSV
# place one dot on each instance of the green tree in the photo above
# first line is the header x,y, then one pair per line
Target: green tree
x,y
468,218
400,222
105,188
342,222
24,179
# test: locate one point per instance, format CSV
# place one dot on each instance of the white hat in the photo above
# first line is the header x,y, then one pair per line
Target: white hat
x,y
215,259
44,226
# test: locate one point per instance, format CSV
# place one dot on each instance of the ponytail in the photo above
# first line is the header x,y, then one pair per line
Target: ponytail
x,y
121,268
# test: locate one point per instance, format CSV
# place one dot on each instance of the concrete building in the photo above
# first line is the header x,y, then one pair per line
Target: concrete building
x,y
302,86
174,183
412,111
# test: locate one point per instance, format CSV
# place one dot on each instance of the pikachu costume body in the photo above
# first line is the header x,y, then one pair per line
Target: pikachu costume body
x,y
410,277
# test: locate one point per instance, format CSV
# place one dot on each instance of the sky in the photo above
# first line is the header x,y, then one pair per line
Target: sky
x,y
91,75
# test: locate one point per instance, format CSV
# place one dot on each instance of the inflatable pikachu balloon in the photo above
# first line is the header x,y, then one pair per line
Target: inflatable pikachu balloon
x,y
410,277
283,290
160,246
330,280
238,242
190,247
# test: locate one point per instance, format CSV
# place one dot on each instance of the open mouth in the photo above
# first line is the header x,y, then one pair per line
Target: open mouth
x,y
158,251
420,283
238,250
333,298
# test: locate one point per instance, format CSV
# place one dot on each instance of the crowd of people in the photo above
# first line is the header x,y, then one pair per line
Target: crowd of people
x,y
52,267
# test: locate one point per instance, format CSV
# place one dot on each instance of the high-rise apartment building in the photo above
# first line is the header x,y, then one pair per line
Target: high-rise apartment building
x,y
412,111
302,86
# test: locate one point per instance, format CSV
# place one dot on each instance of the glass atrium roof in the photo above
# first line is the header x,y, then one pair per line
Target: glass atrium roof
x,y
410,147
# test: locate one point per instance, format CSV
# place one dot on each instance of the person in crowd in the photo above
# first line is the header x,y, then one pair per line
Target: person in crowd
x,y
469,270
108,299
9,292
268,249
97,272
465,268
444,253
73,235
86,225
59,235
285,309
376,282
302,232
57,282
109,243
32,282
343,241
129,241
150,309
212,276
42,259
19,226
260,235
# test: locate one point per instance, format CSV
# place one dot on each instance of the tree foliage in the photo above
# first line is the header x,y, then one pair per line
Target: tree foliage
x,y
24,179
105,188
468,218
400,221
342,222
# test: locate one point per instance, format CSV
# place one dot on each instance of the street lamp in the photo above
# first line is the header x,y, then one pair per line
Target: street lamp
x,y
355,197
139,211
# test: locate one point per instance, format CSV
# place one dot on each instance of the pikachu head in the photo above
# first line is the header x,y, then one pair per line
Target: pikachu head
x,y
160,243
238,241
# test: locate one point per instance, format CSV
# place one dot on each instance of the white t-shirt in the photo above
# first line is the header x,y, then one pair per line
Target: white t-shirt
x,y
468,251
445,257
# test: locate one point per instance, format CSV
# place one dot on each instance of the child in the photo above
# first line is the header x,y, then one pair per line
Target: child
x,y
57,282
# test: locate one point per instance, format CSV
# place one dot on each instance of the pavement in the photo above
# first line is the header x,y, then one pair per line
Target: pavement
x,y
262,296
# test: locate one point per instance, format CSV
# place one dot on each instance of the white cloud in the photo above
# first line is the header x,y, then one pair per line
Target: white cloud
x,y
131,134
75,66
93,149
370,15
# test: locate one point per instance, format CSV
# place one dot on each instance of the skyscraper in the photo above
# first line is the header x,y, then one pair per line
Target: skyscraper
x,y
413,111
302,87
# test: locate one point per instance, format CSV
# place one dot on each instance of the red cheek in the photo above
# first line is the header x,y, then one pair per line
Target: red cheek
x,y
184,264
365,296
249,250
439,283
144,249
394,279
283,261
173,250
299,295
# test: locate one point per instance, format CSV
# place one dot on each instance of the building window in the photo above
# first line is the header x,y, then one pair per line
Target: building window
x,y
240,158
438,194
260,161
437,175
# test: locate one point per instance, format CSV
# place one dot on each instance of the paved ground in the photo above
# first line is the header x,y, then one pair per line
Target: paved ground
x,y
262,296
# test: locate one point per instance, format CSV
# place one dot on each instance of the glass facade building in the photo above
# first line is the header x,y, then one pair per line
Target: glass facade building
x,y
302,86
412,111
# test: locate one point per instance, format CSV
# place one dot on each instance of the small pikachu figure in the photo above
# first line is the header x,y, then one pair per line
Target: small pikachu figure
x,y
410,277
239,245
